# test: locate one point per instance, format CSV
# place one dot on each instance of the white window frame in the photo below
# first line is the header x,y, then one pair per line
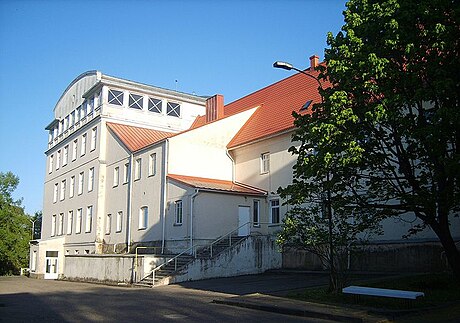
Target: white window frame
x,y
74,149
108,223
53,225
55,192
273,209
116,176
136,101
72,186
78,220
83,145
62,192
81,182
117,97
69,221
61,224
93,138
152,164
178,212
173,111
265,163
155,105
138,169
90,179
65,156
58,159
89,219
143,217
51,164
119,227
126,173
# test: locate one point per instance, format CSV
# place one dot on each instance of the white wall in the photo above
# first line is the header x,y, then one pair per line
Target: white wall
x,y
202,152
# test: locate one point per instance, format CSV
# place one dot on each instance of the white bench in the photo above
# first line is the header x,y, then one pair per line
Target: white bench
x,y
370,291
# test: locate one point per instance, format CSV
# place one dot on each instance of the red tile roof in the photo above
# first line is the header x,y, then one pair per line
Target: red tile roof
x,y
217,185
136,138
276,103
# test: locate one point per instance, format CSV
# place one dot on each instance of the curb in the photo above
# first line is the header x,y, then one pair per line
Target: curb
x,y
289,311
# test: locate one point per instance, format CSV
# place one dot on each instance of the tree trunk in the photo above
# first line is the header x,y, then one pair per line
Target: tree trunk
x,y
452,253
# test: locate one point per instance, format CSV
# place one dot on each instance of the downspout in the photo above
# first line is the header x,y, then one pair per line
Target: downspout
x,y
130,195
163,208
192,198
233,165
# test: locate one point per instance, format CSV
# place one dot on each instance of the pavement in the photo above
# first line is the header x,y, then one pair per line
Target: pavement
x,y
266,292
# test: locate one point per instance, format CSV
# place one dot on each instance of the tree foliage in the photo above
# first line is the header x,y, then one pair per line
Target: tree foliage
x,y
15,228
388,131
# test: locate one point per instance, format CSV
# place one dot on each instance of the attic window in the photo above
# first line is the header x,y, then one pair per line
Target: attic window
x,y
173,109
306,105
135,101
154,105
115,97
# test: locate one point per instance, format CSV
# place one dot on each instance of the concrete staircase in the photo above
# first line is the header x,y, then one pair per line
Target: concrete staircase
x,y
179,263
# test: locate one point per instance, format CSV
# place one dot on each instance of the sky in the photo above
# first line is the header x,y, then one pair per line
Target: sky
x,y
203,47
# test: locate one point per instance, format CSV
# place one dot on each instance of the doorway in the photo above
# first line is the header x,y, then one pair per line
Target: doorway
x,y
51,265
244,218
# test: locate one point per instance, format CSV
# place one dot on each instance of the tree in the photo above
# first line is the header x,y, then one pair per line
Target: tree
x,y
15,228
388,130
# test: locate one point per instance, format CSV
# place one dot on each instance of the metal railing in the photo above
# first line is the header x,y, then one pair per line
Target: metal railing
x,y
167,262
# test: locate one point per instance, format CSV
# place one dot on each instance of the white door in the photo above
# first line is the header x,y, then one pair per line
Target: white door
x,y
244,218
51,265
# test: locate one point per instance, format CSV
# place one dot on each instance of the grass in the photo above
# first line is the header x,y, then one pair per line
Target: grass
x,y
439,289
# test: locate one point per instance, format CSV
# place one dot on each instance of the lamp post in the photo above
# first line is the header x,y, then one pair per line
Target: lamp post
x,y
288,67
33,227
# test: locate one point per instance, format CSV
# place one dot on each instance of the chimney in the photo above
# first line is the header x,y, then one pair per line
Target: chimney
x,y
214,108
314,61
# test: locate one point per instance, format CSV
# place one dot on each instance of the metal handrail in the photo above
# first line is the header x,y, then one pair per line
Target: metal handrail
x,y
167,262
229,234
136,258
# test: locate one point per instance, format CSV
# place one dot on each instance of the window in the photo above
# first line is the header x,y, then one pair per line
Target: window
x,y
83,110
65,157
58,159
152,164
116,176
53,225
61,224
77,114
143,217
72,187
135,101
72,119
137,169
264,163
173,109
55,193
83,145
78,221
90,179
154,105
119,221
69,222
115,97
90,106
89,218
108,223
126,173
33,265
275,211
93,138
74,149
81,179
256,212
63,188
178,212
51,164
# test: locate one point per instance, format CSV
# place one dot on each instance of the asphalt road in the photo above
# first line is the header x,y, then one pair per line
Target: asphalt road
x,y
30,300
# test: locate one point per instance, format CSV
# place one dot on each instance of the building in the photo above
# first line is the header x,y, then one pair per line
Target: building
x,y
134,168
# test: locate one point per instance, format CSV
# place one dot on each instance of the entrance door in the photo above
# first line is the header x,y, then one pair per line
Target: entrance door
x,y
51,265
244,218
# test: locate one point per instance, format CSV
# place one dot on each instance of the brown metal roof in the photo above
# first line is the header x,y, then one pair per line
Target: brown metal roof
x,y
136,138
217,185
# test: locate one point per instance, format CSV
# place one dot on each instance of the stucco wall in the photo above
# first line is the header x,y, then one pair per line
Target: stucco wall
x,y
253,255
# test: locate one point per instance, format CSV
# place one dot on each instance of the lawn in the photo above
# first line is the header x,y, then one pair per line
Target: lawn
x,y
440,289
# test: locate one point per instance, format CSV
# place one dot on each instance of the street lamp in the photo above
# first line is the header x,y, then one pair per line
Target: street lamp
x,y
288,67
33,227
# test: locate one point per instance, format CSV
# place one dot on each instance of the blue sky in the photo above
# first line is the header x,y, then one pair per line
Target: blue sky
x,y
209,47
